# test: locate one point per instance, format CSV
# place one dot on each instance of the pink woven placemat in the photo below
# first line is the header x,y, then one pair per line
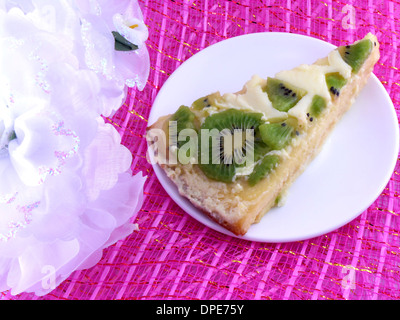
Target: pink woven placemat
x,y
175,257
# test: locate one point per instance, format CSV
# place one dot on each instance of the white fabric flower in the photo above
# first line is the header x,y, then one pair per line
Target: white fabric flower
x,y
99,19
131,28
66,189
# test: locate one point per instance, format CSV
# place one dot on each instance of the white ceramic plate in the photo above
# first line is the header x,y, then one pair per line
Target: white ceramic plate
x,y
347,176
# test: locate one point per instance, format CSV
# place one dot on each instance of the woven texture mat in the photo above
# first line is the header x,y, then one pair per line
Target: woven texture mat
x,y
175,257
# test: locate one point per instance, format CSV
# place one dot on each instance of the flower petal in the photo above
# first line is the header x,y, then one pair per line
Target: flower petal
x,y
42,146
105,158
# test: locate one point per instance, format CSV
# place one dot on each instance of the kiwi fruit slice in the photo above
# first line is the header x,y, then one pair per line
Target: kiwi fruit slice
x,y
221,163
335,82
260,149
356,54
318,104
224,172
276,135
282,95
201,103
185,119
233,119
264,167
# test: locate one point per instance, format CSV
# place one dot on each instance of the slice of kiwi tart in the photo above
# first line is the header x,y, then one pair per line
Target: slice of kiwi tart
x,y
237,176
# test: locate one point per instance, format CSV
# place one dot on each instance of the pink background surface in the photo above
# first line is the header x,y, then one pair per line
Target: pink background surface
x,y
173,256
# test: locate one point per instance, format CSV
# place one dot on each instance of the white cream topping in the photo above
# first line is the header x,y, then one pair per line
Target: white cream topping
x,y
337,64
253,98
300,110
310,78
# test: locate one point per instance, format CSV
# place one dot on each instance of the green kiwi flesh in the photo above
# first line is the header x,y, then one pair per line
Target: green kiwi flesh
x,y
276,135
201,103
356,54
282,95
263,168
260,149
220,172
335,82
318,104
185,119
231,120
